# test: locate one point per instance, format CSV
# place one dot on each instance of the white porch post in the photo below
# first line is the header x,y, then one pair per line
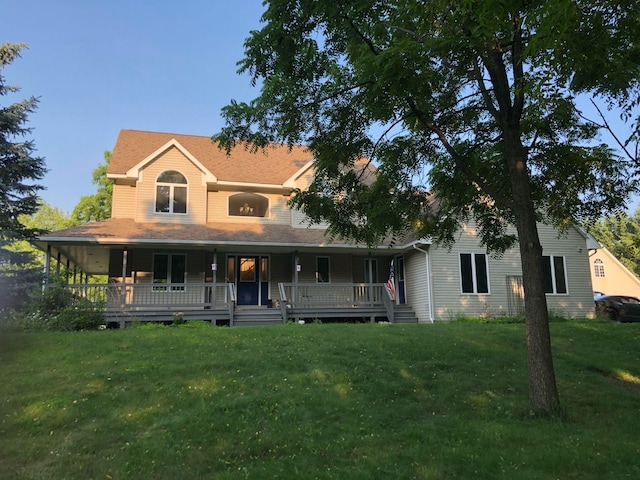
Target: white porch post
x,y
47,262
214,273
296,271
123,296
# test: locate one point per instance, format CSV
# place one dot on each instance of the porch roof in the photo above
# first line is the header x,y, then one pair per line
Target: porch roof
x,y
88,245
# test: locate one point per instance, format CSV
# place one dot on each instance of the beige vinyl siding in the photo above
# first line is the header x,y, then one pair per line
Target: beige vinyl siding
x,y
123,203
298,218
573,247
417,283
172,159
450,302
339,267
281,266
617,280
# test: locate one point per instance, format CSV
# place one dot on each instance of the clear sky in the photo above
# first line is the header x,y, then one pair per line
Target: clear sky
x,y
99,66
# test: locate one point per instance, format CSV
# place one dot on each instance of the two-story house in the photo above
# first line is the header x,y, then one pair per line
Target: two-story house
x,y
211,235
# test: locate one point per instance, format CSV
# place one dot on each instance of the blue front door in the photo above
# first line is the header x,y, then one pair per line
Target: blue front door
x,y
248,280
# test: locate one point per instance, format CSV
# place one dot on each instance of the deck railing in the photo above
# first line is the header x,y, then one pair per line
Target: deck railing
x,y
337,295
134,296
114,297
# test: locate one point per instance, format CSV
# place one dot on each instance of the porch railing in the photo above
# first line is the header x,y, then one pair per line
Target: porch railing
x,y
336,295
118,296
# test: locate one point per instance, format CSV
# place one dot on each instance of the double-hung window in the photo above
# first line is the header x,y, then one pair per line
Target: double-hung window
x,y
554,274
474,273
169,270
171,192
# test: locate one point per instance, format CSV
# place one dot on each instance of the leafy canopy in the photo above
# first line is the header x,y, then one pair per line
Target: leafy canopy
x,y
92,208
429,91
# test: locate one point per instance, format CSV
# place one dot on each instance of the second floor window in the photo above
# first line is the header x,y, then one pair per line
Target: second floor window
x,y
171,192
598,268
248,205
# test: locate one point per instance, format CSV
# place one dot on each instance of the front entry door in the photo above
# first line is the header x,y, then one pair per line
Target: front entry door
x,y
248,280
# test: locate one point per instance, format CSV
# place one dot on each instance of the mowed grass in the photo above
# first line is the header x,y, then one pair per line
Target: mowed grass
x,y
363,401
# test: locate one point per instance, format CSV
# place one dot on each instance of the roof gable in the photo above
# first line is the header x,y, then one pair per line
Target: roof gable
x,y
275,165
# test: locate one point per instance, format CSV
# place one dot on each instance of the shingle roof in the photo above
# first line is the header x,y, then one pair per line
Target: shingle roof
x,y
126,231
117,230
273,165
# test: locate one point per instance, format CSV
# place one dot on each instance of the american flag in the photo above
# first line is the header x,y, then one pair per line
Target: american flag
x,y
390,284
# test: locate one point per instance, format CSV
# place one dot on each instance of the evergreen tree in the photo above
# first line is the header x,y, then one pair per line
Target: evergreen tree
x,y
620,234
20,170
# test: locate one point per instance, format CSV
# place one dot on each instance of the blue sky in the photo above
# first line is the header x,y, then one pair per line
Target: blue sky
x,y
101,66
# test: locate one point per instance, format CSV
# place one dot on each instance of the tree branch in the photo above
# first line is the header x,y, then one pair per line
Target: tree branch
x,y
460,161
607,126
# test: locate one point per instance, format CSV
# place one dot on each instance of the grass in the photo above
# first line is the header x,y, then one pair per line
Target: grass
x,y
317,401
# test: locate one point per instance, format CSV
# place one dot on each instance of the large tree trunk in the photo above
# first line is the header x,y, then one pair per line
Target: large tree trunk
x,y
543,393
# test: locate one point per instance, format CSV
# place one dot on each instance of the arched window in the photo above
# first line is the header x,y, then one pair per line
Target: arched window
x,y
598,268
171,192
248,205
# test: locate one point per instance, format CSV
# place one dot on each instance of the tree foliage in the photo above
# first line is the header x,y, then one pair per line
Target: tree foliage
x,y
467,108
92,208
20,169
620,234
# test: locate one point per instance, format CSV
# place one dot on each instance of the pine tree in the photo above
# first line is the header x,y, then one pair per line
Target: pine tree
x,y
20,170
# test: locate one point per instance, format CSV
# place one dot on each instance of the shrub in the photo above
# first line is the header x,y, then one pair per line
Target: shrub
x,y
57,308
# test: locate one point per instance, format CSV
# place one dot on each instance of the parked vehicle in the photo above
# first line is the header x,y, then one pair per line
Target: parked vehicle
x,y
620,308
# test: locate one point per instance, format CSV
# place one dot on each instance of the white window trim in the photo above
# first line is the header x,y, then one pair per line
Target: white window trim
x,y
598,268
554,284
474,276
168,284
171,194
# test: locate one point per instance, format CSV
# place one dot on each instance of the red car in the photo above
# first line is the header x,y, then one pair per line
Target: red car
x,y
620,308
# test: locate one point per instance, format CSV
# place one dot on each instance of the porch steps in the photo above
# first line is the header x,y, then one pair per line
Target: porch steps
x,y
256,316
404,314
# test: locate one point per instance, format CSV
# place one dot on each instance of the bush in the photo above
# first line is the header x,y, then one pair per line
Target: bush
x,y
58,309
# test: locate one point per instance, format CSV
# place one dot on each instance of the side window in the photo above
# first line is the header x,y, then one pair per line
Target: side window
x,y
248,205
169,270
323,272
171,192
598,268
555,276
474,273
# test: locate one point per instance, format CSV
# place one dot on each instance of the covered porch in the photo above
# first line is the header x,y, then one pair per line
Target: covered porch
x,y
223,278
123,303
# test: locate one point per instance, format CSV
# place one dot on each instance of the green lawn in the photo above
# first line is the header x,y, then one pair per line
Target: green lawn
x,y
358,401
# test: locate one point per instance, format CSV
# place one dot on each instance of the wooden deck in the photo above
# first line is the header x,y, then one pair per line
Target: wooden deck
x,y
302,302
